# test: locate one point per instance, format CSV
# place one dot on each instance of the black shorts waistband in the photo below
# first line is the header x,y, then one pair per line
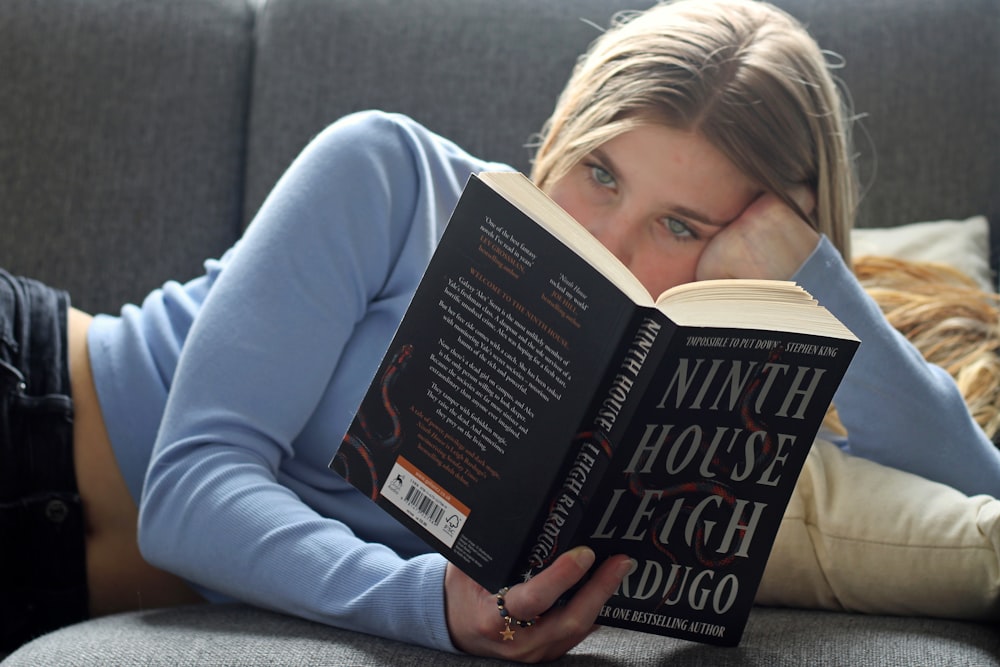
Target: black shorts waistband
x,y
43,584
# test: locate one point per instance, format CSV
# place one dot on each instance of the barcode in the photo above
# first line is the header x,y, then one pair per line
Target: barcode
x,y
424,505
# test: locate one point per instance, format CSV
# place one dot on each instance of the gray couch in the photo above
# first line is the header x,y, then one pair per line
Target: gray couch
x,y
138,137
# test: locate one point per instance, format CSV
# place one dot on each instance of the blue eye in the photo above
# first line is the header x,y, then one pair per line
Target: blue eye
x,y
602,176
679,228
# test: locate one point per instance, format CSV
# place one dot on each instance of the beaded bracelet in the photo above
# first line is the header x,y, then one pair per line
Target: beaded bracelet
x,y
507,634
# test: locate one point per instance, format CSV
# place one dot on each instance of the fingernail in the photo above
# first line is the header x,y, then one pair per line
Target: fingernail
x,y
584,557
626,566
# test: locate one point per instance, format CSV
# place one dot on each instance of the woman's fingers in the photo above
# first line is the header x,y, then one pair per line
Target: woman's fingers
x,y
544,590
560,628
477,625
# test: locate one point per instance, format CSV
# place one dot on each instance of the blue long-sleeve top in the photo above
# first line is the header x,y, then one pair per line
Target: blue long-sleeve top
x,y
226,397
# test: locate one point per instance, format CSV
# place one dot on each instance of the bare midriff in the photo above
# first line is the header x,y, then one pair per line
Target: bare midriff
x,y
118,578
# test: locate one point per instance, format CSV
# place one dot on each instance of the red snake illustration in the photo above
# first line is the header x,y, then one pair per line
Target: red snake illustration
x,y
695,491
356,460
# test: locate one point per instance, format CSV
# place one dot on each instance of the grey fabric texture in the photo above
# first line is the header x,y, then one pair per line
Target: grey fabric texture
x,y
482,73
924,80
241,635
122,131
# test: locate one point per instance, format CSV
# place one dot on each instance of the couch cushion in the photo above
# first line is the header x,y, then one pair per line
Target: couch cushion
x,y
123,139
962,244
486,74
482,73
237,634
925,82
862,546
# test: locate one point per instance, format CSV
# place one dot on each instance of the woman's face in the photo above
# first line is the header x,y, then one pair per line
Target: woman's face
x,y
655,197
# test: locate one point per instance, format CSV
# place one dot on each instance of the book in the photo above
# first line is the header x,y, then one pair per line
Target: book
x,y
536,397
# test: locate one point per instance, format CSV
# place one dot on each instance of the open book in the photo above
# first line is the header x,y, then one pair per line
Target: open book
x,y
535,397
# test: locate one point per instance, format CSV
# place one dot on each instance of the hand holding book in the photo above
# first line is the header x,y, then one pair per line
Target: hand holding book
x,y
557,630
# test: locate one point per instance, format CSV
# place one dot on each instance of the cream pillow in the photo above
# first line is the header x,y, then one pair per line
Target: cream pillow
x,y
963,244
860,536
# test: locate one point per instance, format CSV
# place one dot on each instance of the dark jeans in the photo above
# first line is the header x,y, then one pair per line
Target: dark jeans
x,y
43,578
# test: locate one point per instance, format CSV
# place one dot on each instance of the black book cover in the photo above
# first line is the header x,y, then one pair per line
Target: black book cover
x,y
527,405
703,471
469,419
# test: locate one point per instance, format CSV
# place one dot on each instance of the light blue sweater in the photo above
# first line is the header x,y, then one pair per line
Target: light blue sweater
x,y
227,444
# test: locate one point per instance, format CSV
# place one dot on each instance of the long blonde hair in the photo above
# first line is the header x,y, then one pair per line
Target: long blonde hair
x,y
744,74
949,319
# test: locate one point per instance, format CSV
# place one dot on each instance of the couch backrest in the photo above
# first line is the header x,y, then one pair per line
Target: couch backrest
x,y
484,73
925,79
122,134
138,137
924,74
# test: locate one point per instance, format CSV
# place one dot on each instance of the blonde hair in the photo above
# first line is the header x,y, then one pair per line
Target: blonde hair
x,y
949,319
743,74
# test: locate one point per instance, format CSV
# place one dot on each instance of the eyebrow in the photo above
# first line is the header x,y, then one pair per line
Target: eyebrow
x,y
700,218
684,211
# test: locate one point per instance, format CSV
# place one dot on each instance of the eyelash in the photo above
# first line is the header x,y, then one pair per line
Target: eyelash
x,y
688,234
596,172
597,175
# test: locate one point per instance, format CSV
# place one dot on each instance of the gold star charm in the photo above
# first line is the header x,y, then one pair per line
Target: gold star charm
x,y
507,634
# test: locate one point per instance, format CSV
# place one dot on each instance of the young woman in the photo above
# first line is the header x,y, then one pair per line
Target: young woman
x,y
702,139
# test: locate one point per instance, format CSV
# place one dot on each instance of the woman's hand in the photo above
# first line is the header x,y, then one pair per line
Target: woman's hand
x,y
476,626
769,240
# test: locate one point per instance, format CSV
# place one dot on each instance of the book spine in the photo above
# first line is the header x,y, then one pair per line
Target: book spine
x,y
596,442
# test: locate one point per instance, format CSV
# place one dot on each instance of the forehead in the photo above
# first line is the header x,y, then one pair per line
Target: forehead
x,y
658,161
